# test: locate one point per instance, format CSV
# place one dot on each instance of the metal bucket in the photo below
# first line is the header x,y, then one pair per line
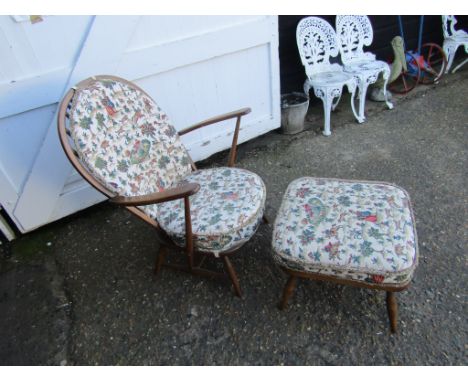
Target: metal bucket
x,y
293,111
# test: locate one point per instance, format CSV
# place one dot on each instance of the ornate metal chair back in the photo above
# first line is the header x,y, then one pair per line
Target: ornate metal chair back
x,y
448,25
354,32
317,42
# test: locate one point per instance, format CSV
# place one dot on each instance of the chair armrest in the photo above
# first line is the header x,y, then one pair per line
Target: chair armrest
x,y
180,192
183,191
233,114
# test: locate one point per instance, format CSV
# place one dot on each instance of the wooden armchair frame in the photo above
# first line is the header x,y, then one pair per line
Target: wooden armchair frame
x,y
195,259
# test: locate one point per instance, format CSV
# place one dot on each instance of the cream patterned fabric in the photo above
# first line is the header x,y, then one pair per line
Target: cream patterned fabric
x,y
225,213
348,229
125,140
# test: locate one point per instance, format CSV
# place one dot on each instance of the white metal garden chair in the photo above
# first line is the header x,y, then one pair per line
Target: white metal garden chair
x,y
316,41
353,33
452,40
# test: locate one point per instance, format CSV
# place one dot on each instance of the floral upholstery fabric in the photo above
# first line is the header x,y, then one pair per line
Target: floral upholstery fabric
x,y
225,212
362,231
125,140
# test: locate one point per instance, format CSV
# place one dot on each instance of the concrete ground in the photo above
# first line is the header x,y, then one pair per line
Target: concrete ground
x,y
81,291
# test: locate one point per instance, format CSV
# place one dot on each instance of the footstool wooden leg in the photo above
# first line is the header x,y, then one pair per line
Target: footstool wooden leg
x,y
232,276
392,309
160,259
288,290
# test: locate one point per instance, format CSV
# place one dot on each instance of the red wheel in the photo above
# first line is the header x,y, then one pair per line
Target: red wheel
x,y
434,64
408,79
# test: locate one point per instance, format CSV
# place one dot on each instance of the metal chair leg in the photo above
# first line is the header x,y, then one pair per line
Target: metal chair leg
x,y
352,86
362,100
327,99
459,65
450,54
386,76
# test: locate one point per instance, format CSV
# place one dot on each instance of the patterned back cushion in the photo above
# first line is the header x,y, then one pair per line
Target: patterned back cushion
x,y
125,140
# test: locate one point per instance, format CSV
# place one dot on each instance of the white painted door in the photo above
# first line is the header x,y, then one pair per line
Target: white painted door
x,y
195,67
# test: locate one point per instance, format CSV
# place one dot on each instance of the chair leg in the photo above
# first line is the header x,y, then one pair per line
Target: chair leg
x,y
386,76
307,87
288,290
232,275
160,259
352,85
335,104
326,95
459,65
450,54
392,309
362,100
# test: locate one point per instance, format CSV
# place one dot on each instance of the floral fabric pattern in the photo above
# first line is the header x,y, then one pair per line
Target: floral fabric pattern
x,y
353,230
225,212
125,140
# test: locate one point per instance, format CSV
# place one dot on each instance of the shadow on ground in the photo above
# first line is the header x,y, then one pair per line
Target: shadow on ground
x,y
81,291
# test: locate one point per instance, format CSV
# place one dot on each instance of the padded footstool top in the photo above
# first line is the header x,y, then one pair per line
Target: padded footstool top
x,y
357,230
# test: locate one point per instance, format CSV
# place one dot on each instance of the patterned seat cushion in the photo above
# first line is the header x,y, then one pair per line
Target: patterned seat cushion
x,y
225,212
362,231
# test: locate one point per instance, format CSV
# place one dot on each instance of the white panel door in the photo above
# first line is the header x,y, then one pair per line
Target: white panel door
x,y
50,170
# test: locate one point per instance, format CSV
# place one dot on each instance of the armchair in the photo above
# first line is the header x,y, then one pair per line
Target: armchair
x,y
124,145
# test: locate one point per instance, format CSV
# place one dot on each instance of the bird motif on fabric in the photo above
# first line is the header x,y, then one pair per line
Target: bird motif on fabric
x,y
114,185
392,202
333,250
342,216
134,188
109,106
230,195
148,105
251,181
105,144
138,114
399,250
302,192
315,210
333,231
367,216
140,151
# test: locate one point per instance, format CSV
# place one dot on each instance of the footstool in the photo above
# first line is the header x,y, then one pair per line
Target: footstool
x,y
359,233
